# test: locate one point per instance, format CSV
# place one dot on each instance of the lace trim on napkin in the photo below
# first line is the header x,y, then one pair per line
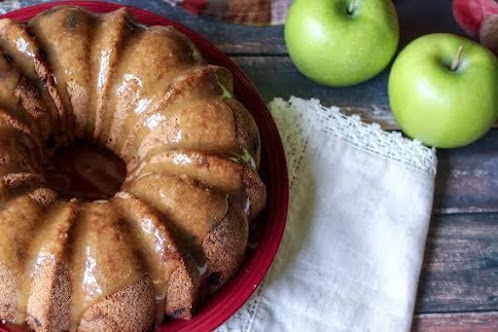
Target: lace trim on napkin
x,y
297,121
298,118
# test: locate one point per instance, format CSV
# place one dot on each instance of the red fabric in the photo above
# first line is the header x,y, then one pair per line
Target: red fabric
x,y
251,12
194,6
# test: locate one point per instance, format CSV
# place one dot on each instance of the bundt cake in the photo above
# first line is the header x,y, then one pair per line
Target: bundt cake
x,y
176,230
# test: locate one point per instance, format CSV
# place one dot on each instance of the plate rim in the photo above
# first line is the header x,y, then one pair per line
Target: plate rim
x,y
222,305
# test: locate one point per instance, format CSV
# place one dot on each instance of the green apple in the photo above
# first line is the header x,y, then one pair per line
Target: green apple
x,y
341,42
443,90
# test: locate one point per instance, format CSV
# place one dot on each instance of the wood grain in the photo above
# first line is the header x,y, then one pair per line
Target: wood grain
x,y
467,179
460,271
276,76
465,322
416,18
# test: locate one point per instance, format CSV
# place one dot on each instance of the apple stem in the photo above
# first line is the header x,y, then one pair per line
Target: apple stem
x,y
456,62
352,6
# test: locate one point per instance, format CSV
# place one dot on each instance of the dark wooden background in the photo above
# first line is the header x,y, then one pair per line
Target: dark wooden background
x,y
459,284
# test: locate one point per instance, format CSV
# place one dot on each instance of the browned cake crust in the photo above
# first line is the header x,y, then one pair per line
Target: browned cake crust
x,y
8,295
127,310
177,229
35,70
49,302
225,245
182,292
49,305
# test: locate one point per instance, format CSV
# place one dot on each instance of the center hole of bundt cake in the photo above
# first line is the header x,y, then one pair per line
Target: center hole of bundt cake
x,y
86,171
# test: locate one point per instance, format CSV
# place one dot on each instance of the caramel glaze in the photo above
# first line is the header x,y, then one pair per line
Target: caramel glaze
x,y
178,226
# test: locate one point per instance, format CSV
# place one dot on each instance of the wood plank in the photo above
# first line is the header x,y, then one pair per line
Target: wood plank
x,y
276,76
467,179
421,17
416,18
460,271
464,322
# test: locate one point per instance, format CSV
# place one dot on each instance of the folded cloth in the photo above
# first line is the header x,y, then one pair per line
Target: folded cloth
x,y
360,206
252,12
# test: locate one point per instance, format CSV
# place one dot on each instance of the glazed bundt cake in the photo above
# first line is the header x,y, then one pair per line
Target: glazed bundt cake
x,y
177,228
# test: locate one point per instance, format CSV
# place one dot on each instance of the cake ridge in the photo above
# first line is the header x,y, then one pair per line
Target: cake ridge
x,y
9,121
15,95
22,51
216,130
166,103
19,150
49,299
158,244
104,259
67,54
115,26
145,84
14,255
198,166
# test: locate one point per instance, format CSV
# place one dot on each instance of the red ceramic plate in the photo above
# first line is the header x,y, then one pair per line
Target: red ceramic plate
x,y
273,171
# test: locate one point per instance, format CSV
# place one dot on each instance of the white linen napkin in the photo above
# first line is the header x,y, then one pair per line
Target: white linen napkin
x,y
360,206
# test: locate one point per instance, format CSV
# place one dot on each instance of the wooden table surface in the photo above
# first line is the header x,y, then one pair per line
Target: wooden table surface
x,y
459,285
